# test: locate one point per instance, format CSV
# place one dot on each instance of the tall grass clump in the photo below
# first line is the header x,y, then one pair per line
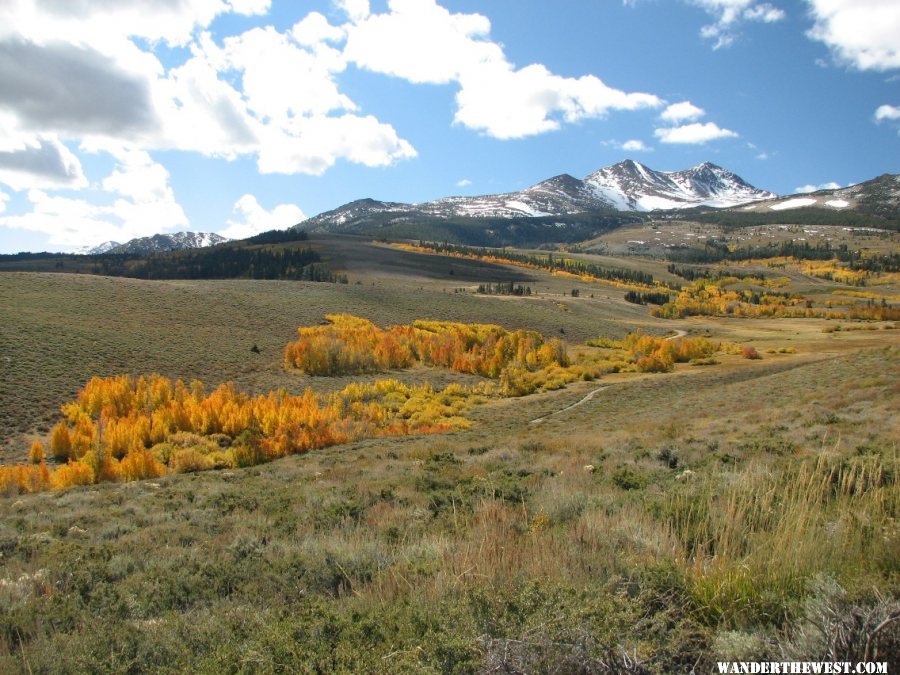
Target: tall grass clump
x,y
749,551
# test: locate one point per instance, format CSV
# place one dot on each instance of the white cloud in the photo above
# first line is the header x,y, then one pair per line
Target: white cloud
x,y
765,13
106,22
253,218
729,15
887,112
861,33
507,103
143,204
250,7
356,10
465,182
681,112
635,146
70,69
803,189
696,133
314,29
281,80
312,145
3,199
201,112
424,43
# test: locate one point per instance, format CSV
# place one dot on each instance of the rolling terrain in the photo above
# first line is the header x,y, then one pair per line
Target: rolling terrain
x,y
623,522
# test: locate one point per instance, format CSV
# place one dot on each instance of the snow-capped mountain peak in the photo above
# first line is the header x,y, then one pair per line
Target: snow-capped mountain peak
x,y
636,187
626,186
96,250
159,243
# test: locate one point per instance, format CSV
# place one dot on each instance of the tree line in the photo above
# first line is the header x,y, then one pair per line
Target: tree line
x,y
547,262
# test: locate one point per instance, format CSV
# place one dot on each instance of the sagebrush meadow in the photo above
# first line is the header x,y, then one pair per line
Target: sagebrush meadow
x,y
622,469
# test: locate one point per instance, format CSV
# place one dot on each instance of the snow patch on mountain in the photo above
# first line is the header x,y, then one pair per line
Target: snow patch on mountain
x,y
793,204
159,243
98,249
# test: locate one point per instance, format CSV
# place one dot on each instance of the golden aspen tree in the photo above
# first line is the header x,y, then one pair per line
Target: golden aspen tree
x,y
61,442
36,453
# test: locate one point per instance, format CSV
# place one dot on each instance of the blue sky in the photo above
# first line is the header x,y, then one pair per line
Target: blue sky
x,y
130,118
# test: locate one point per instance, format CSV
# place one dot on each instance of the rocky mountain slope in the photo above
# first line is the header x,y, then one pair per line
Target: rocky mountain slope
x,y
159,243
626,186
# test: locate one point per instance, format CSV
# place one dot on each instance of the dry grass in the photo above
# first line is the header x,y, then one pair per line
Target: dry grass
x,y
669,520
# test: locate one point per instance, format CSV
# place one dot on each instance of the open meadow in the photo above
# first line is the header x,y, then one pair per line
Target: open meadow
x,y
614,516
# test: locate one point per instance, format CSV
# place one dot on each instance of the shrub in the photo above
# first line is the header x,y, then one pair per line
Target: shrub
x,y
189,461
73,473
629,479
141,464
749,352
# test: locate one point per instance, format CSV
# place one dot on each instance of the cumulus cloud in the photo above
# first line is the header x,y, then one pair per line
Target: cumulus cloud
x,y
253,218
356,10
143,204
861,33
314,29
681,112
887,112
281,80
507,103
73,69
3,199
465,182
71,89
635,146
203,113
424,43
696,133
312,145
107,21
803,189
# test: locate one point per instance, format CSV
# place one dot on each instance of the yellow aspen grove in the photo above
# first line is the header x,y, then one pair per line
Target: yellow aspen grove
x,y
127,428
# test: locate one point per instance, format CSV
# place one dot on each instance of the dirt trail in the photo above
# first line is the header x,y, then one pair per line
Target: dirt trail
x,y
678,334
573,405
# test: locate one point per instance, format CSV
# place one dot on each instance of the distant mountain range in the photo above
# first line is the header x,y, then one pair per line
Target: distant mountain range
x,y
568,209
159,243
626,186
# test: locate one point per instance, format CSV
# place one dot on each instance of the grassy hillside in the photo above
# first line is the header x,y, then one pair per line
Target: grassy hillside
x,y
744,509
61,329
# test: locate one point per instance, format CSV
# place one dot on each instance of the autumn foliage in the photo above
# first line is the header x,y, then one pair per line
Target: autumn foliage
x,y
126,428
348,345
658,355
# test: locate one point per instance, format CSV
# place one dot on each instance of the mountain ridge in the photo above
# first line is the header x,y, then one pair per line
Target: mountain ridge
x,y
159,243
625,186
